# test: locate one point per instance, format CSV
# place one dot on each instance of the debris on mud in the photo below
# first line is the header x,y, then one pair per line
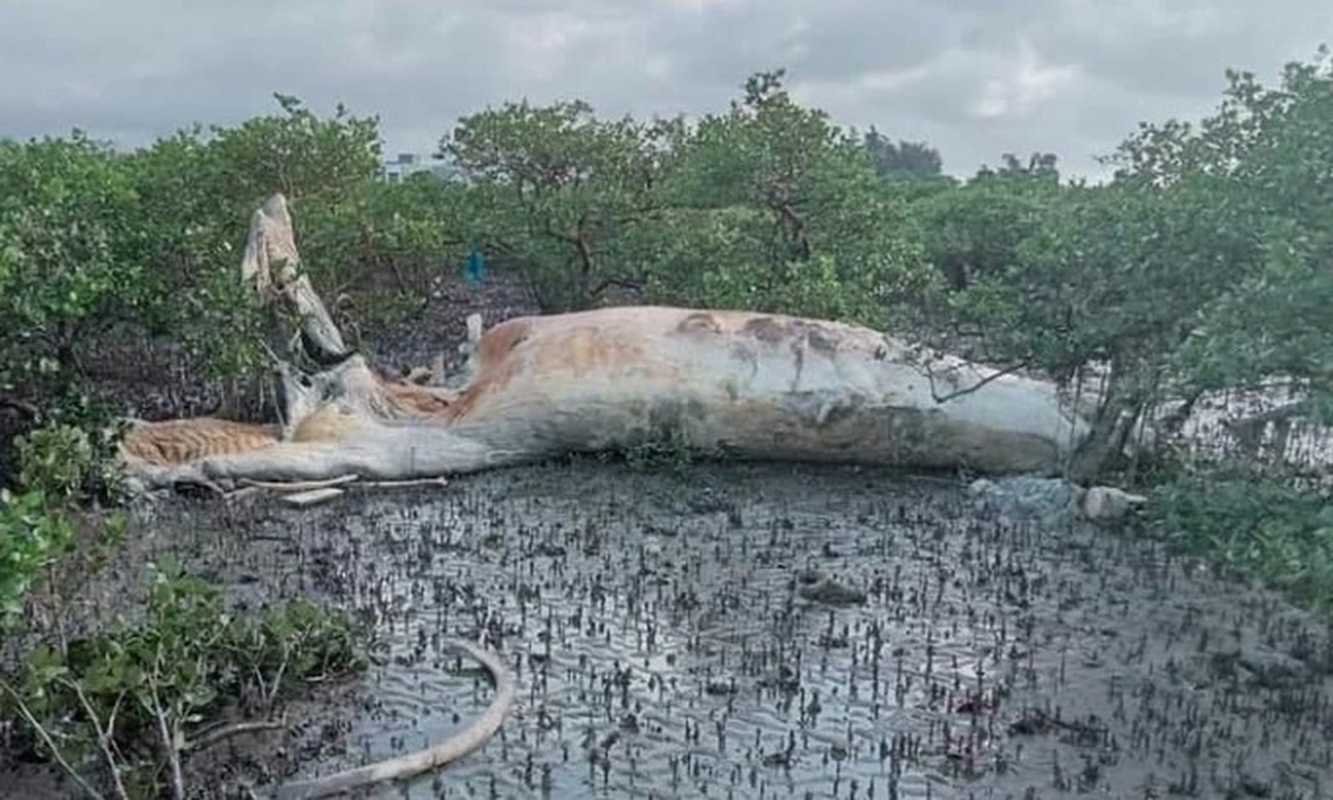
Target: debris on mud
x,y
1049,500
821,588
662,648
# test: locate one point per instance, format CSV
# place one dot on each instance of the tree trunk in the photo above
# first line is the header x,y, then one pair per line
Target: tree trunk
x,y
1118,416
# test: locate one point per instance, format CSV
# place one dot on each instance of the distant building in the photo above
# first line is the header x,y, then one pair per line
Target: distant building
x,y
405,164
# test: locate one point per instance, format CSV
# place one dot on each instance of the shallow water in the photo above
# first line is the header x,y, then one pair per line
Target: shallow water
x,y
667,642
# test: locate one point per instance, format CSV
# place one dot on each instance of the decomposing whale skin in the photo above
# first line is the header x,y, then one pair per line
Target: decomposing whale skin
x,y
734,384
731,383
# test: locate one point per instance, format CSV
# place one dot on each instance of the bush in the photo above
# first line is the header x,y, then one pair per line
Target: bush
x,y
1266,526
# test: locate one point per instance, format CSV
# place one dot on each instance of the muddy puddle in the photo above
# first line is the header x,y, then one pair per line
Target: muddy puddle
x,y
779,631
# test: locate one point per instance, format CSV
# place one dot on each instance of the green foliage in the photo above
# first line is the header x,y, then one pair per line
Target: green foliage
x,y
1242,207
54,460
1262,525
32,536
662,449
724,212
1066,278
973,232
101,250
1112,272
383,244
774,208
559,188
1268,154
144,686
198,191
904,160
772,154
70,256
58,465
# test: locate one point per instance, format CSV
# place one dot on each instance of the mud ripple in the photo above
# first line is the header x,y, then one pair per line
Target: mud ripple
x,y
761,631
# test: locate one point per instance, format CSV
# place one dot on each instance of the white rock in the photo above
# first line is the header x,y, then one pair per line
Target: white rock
x,y
1108,502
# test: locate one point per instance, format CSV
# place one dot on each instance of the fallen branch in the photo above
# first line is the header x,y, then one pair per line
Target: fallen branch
x,y
298,486
27,409
212,737
1282,413
1173,422
438,755
440,482
204,484
617,283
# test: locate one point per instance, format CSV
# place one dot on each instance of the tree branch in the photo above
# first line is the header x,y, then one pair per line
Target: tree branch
x,y
930,377
1280,414
45,736
29,410
220,734
619,283
164,730
103,737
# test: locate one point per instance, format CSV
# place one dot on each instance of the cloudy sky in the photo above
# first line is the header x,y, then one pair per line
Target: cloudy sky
x,y
975,78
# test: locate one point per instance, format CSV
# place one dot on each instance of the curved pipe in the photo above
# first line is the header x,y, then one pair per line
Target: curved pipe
x,y
441,754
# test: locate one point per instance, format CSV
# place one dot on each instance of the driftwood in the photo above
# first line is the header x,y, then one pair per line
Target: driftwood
x,y
732,384
438,755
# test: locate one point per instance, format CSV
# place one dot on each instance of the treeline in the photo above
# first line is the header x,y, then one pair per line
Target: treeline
x,y
1202,266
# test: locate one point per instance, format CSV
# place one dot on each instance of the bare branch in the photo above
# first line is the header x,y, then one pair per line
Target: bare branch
x,y
29,410
164,730
45,736
103,737
298,486
930,376
220,734
1280,414
619,283
441,482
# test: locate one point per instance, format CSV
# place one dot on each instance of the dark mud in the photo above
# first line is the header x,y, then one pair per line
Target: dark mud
x,y
781,631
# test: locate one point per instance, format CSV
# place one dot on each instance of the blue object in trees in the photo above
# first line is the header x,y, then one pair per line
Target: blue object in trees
x,y
474,269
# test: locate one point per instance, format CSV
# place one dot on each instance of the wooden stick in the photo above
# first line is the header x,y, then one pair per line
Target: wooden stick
x,y
209,738
298,486
441,482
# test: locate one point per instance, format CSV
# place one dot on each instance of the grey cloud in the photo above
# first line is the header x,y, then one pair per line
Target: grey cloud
x,y
975,78
146,68
1181,48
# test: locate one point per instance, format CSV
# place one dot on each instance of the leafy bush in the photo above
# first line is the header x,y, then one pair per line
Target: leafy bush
x,y
32,536
70,256
134,695
1261,524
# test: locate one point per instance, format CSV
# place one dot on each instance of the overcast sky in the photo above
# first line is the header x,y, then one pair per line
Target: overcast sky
x,y
974,78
